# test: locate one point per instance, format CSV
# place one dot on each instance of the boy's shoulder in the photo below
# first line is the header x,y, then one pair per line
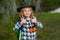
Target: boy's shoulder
x,y
19,19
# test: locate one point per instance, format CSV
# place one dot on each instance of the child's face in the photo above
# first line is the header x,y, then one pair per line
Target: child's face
x,y
27,12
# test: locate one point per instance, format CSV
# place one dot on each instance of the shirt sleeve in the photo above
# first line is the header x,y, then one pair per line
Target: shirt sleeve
x,y
17,26
39,24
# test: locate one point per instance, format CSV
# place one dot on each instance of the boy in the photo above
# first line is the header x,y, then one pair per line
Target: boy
x,y
27,22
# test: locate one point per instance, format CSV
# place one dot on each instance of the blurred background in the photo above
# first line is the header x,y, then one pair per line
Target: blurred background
x,y
47,12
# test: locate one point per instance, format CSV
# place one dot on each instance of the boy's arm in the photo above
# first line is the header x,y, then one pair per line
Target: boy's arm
x,y
39,24
17,26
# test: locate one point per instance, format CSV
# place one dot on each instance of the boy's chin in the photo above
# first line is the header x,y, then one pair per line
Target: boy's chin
x,y
27,16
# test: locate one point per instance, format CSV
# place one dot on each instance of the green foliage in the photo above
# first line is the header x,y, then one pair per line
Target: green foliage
x,y
51,28
52,2
50,31
48,5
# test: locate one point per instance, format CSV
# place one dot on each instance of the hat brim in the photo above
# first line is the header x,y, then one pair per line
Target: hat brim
x,y
19,9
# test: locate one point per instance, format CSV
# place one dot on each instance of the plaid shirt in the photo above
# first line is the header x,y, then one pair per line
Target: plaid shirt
x,y
26,35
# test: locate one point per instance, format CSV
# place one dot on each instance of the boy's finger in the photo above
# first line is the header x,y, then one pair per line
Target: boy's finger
x,y
23,19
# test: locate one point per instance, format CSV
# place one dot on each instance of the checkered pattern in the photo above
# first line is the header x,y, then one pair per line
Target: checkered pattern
x,y
26,35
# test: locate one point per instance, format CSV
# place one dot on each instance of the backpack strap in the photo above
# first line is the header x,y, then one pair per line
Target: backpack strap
x,y
20,30
19,20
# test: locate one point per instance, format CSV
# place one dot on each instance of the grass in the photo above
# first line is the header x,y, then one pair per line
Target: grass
x,y
50,31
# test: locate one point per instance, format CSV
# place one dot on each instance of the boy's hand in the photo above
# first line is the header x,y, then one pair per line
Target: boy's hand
x,y
23,21
34,20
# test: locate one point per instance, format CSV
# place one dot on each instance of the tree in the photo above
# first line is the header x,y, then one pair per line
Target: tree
x,y
38,2
7,9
